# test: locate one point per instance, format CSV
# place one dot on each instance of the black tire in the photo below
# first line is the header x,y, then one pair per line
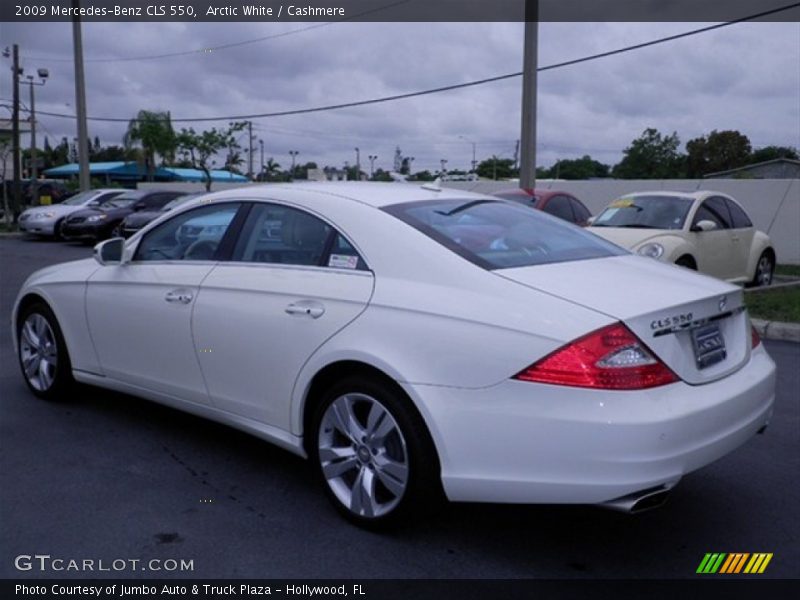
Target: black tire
x,y
40,345
404,456
57,230
687,262
765,269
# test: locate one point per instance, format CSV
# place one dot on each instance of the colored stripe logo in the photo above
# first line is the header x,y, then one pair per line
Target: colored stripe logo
x,y
734,563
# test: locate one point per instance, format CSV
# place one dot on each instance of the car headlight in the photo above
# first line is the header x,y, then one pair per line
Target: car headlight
x,y
652,250
44,215
95,218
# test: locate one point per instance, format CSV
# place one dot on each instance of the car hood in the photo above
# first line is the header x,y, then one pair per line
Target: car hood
x,y
57,209
659,302
630,237
139,219
111,212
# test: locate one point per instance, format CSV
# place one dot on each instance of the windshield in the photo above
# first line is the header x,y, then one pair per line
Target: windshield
x,y
645,212
120,202
178,201
497,234
79,199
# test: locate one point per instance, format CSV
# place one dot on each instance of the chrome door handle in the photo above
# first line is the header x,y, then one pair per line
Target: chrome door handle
x,y
176,296
307,308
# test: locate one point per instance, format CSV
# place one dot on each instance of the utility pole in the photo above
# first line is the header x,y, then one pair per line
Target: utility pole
x,y
372,159
293,154
516,156
261,144
43,74
80,99
250,150
17,197
444,162
527,171
358,165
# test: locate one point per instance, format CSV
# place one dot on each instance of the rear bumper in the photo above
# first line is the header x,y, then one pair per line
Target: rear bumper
x,y
533,443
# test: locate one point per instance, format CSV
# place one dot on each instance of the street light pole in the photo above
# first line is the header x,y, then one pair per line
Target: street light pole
x,y
474,162
372,159
358,165
444,162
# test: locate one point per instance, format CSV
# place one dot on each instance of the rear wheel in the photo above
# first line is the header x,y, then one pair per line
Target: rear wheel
x,y
42,352
373,453
765,268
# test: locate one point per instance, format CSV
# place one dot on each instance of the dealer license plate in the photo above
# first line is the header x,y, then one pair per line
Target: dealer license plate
x,y
709,345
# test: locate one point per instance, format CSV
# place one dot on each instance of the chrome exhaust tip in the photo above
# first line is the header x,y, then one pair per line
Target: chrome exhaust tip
x,y
641,501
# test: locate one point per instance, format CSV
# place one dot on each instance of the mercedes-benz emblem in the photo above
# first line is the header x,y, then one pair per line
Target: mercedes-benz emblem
x,y
723,302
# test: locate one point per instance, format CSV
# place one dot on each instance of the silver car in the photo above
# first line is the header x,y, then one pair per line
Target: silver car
x,y
47,220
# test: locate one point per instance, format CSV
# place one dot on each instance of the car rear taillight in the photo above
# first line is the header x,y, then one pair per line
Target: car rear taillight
x,y
755,339
611,358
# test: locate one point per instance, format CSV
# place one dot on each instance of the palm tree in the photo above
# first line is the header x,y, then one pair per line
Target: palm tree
x,y
152,131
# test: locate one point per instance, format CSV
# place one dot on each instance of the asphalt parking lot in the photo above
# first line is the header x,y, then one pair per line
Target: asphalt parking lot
x,y
108,476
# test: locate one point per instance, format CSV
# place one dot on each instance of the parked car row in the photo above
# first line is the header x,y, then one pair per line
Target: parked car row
x,y
96,215
705,231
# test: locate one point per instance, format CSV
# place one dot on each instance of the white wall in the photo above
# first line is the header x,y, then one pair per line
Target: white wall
x,y
773,204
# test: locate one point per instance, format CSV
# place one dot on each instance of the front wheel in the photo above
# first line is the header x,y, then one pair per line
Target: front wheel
x,y
42,352
764,271
374,454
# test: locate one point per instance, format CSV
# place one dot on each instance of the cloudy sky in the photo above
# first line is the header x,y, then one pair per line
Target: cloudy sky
x,y
744,77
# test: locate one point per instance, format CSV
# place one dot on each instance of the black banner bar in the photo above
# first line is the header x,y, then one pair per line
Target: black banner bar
x,y
299,11
731,588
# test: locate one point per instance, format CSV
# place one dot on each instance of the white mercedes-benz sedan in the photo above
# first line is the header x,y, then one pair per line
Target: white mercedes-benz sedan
x,y
412,342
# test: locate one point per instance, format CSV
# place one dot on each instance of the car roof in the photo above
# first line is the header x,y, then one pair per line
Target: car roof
x,y
374,194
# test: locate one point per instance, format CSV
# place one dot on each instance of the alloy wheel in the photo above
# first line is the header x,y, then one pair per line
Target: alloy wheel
x,y
38,352
363,455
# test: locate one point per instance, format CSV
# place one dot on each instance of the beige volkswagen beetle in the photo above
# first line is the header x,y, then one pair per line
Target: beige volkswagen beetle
x,y
706,231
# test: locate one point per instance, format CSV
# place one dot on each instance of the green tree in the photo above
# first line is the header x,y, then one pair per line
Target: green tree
x,y
200,148
720,151
773,152
381,175
496,168
152,132
651,156
577,168
422,176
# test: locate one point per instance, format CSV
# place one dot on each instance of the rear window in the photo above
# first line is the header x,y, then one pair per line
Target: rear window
x,y
499,235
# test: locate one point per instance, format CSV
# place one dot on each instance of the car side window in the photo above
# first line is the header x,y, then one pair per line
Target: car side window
x,y
739,217
559,206
192,235
283,235
713,209
582,213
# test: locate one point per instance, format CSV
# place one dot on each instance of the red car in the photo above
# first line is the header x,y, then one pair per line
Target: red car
x,y
559,204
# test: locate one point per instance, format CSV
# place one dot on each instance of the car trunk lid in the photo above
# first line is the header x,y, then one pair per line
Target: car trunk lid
x,y
695,324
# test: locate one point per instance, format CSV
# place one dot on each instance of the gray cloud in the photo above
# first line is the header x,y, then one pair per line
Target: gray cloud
x,y
744,77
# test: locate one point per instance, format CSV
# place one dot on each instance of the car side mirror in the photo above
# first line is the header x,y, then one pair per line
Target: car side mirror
x,y
704,225
590,220
109,252
139,206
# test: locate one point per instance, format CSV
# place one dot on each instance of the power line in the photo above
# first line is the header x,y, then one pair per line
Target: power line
x,y
211,49
456,86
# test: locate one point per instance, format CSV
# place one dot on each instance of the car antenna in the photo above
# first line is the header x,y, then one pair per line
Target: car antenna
x,y
434,186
